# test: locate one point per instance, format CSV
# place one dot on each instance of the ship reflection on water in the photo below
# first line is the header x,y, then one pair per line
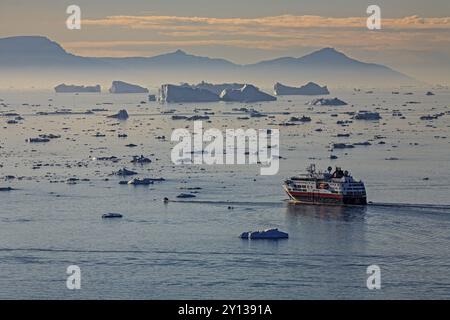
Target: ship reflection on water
x,y
338,230
345,213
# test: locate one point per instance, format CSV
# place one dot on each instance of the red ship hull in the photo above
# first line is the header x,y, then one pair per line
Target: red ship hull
x,y
326,198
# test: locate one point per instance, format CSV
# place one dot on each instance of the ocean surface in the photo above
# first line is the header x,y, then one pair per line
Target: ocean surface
x,y
191,249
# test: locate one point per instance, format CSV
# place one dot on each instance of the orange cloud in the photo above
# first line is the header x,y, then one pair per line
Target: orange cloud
x,y
267,33
283,21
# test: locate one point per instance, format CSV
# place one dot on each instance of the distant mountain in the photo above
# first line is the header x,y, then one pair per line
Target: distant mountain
x,y
178,58
323,57
36,51
30,53
331,66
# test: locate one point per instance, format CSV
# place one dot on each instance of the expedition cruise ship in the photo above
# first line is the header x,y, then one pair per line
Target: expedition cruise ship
x,y
334,188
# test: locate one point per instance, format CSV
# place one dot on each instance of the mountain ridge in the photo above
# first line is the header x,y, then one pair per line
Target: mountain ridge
x,y
17,53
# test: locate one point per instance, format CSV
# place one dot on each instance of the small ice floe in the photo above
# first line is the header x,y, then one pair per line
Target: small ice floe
x,y
4,189
177,117
197,118
124,172
111,215
365,143
366,115
49,136
72,181
342,146
429,93
264,234
140,182
343,135
327,102
112,158
99,135
140,160
302,119
431,117
121,115
37,140
256,114
186,195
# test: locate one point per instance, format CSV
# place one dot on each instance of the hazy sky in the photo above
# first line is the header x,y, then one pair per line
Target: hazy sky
x,y
415,35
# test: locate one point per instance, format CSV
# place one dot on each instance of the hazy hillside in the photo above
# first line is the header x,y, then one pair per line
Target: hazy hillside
x,y
38,61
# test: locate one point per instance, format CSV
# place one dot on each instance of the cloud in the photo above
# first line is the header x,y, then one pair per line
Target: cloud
x,y
283,21
273,33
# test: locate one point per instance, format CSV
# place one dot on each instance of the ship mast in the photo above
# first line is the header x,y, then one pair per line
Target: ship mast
x,y
311,169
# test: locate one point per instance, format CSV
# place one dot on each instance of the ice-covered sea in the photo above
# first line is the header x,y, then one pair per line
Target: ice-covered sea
x,y
192,250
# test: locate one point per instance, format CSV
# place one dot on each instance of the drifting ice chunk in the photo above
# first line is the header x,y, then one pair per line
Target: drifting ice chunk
x,y
121,115
327,102
310,89
247,93
140,182
186,195
111,215
125,172
265,234
365,115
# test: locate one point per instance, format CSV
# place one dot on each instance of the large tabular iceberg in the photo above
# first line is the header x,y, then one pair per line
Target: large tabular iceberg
x,y
247,93
185,93
309,89
123,87
64,88
217,88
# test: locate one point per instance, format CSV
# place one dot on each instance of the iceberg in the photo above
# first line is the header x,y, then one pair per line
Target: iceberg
x,y
248,93
217,88
64,88
121,115
309,89
265,234
327,102
125,172
111,215
140,182
185,93
366,115
123,87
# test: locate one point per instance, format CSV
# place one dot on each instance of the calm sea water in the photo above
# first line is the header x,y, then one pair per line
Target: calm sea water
x,y
191,250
